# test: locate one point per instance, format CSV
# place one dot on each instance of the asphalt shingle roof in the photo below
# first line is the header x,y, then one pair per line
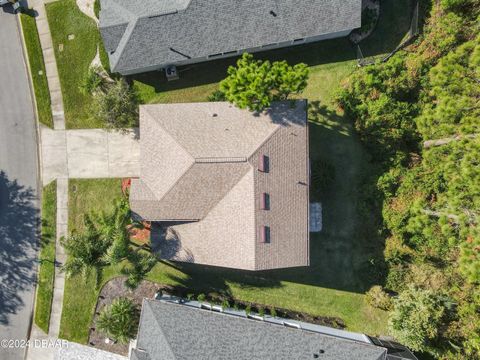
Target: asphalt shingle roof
x,y
161,32
200,169
170,331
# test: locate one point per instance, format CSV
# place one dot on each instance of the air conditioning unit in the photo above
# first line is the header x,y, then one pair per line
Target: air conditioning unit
x,y
171,72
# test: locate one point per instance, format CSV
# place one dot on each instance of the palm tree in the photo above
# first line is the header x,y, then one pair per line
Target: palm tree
x,y
85,250
119,321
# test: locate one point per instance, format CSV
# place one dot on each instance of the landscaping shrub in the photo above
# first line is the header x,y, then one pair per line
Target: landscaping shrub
x,y
119,321
378,298
117,106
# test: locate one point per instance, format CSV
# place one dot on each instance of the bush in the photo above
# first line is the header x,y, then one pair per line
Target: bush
x,y
201,297
378,298
119,321
273,312
117,106
416,318
217,95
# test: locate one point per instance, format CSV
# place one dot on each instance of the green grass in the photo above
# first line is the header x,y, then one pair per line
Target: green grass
x,y
341,255
65,18
37,68
46,273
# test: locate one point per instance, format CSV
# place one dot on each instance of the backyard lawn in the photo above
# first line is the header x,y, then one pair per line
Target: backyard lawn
x,y
37,68
46,273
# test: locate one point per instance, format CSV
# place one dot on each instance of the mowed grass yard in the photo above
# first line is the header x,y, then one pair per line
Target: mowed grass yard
x,y
46,272
73,59
341,255
332,286
37,68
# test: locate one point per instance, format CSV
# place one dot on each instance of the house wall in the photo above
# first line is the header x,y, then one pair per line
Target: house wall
x,y
239,52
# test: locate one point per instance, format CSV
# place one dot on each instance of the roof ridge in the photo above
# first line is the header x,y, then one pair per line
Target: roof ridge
x,y
159,326
153,118
123,43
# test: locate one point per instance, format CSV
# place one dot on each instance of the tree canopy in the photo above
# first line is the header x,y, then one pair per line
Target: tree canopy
x,y
254,84
428,196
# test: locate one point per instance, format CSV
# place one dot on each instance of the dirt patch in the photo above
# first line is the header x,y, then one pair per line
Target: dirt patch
x,y
112,290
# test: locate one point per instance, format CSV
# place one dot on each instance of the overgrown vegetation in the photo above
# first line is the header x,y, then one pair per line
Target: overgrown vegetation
x,y
37,68
46,273
418,115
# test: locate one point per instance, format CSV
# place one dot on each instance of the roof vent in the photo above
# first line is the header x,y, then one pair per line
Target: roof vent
x,y
264,163
214,114
273,13
265,234
265,201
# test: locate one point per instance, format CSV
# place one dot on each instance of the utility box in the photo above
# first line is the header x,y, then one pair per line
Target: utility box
x,y
171,73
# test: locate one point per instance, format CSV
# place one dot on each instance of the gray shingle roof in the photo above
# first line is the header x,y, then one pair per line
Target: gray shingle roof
x,y
170,331
162,32
200,165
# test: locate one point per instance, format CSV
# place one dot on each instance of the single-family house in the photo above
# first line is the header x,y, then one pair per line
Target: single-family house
x,y
171,328
147,35
228,187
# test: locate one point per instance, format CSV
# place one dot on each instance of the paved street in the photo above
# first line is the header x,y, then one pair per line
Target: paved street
x,y
18,190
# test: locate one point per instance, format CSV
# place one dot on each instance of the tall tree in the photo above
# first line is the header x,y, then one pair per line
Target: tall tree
x,y
254,84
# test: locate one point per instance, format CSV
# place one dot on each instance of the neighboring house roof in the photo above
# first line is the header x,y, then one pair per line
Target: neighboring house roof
x,y
200,166
171,331
140,34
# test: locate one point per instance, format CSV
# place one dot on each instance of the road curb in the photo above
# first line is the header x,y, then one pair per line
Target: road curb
x,y
39,166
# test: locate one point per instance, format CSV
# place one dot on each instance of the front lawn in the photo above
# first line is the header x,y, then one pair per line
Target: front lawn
x,y
37,68
74,57
46,272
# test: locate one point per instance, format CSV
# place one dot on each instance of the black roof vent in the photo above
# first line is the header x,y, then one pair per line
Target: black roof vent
x,y
273,13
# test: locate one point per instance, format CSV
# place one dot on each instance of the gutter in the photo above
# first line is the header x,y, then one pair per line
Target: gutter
x,y
39,163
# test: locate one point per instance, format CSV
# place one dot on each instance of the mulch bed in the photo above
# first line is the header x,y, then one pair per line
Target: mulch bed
x,y
112,290
116,288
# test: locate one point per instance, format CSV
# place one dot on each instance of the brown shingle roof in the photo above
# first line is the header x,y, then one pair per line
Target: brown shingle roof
x,y
200,163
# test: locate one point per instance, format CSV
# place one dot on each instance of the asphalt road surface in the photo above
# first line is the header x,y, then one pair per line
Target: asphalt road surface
x,y
18,190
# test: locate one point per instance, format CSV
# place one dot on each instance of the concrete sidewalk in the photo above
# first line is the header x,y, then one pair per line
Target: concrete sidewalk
x,y
50,64
91,153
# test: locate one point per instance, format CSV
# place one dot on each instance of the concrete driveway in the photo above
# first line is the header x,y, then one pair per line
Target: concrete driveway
x,y
90,153
18,190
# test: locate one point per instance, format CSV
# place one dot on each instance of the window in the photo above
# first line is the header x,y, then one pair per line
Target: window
x,y
265,201
265,234
264,163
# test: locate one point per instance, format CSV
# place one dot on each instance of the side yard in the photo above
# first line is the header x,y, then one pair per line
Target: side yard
x,y
37,68
46,273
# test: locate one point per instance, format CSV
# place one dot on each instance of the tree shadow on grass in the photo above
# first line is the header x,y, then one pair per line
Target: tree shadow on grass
x,y
19,220
393,25
348,254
